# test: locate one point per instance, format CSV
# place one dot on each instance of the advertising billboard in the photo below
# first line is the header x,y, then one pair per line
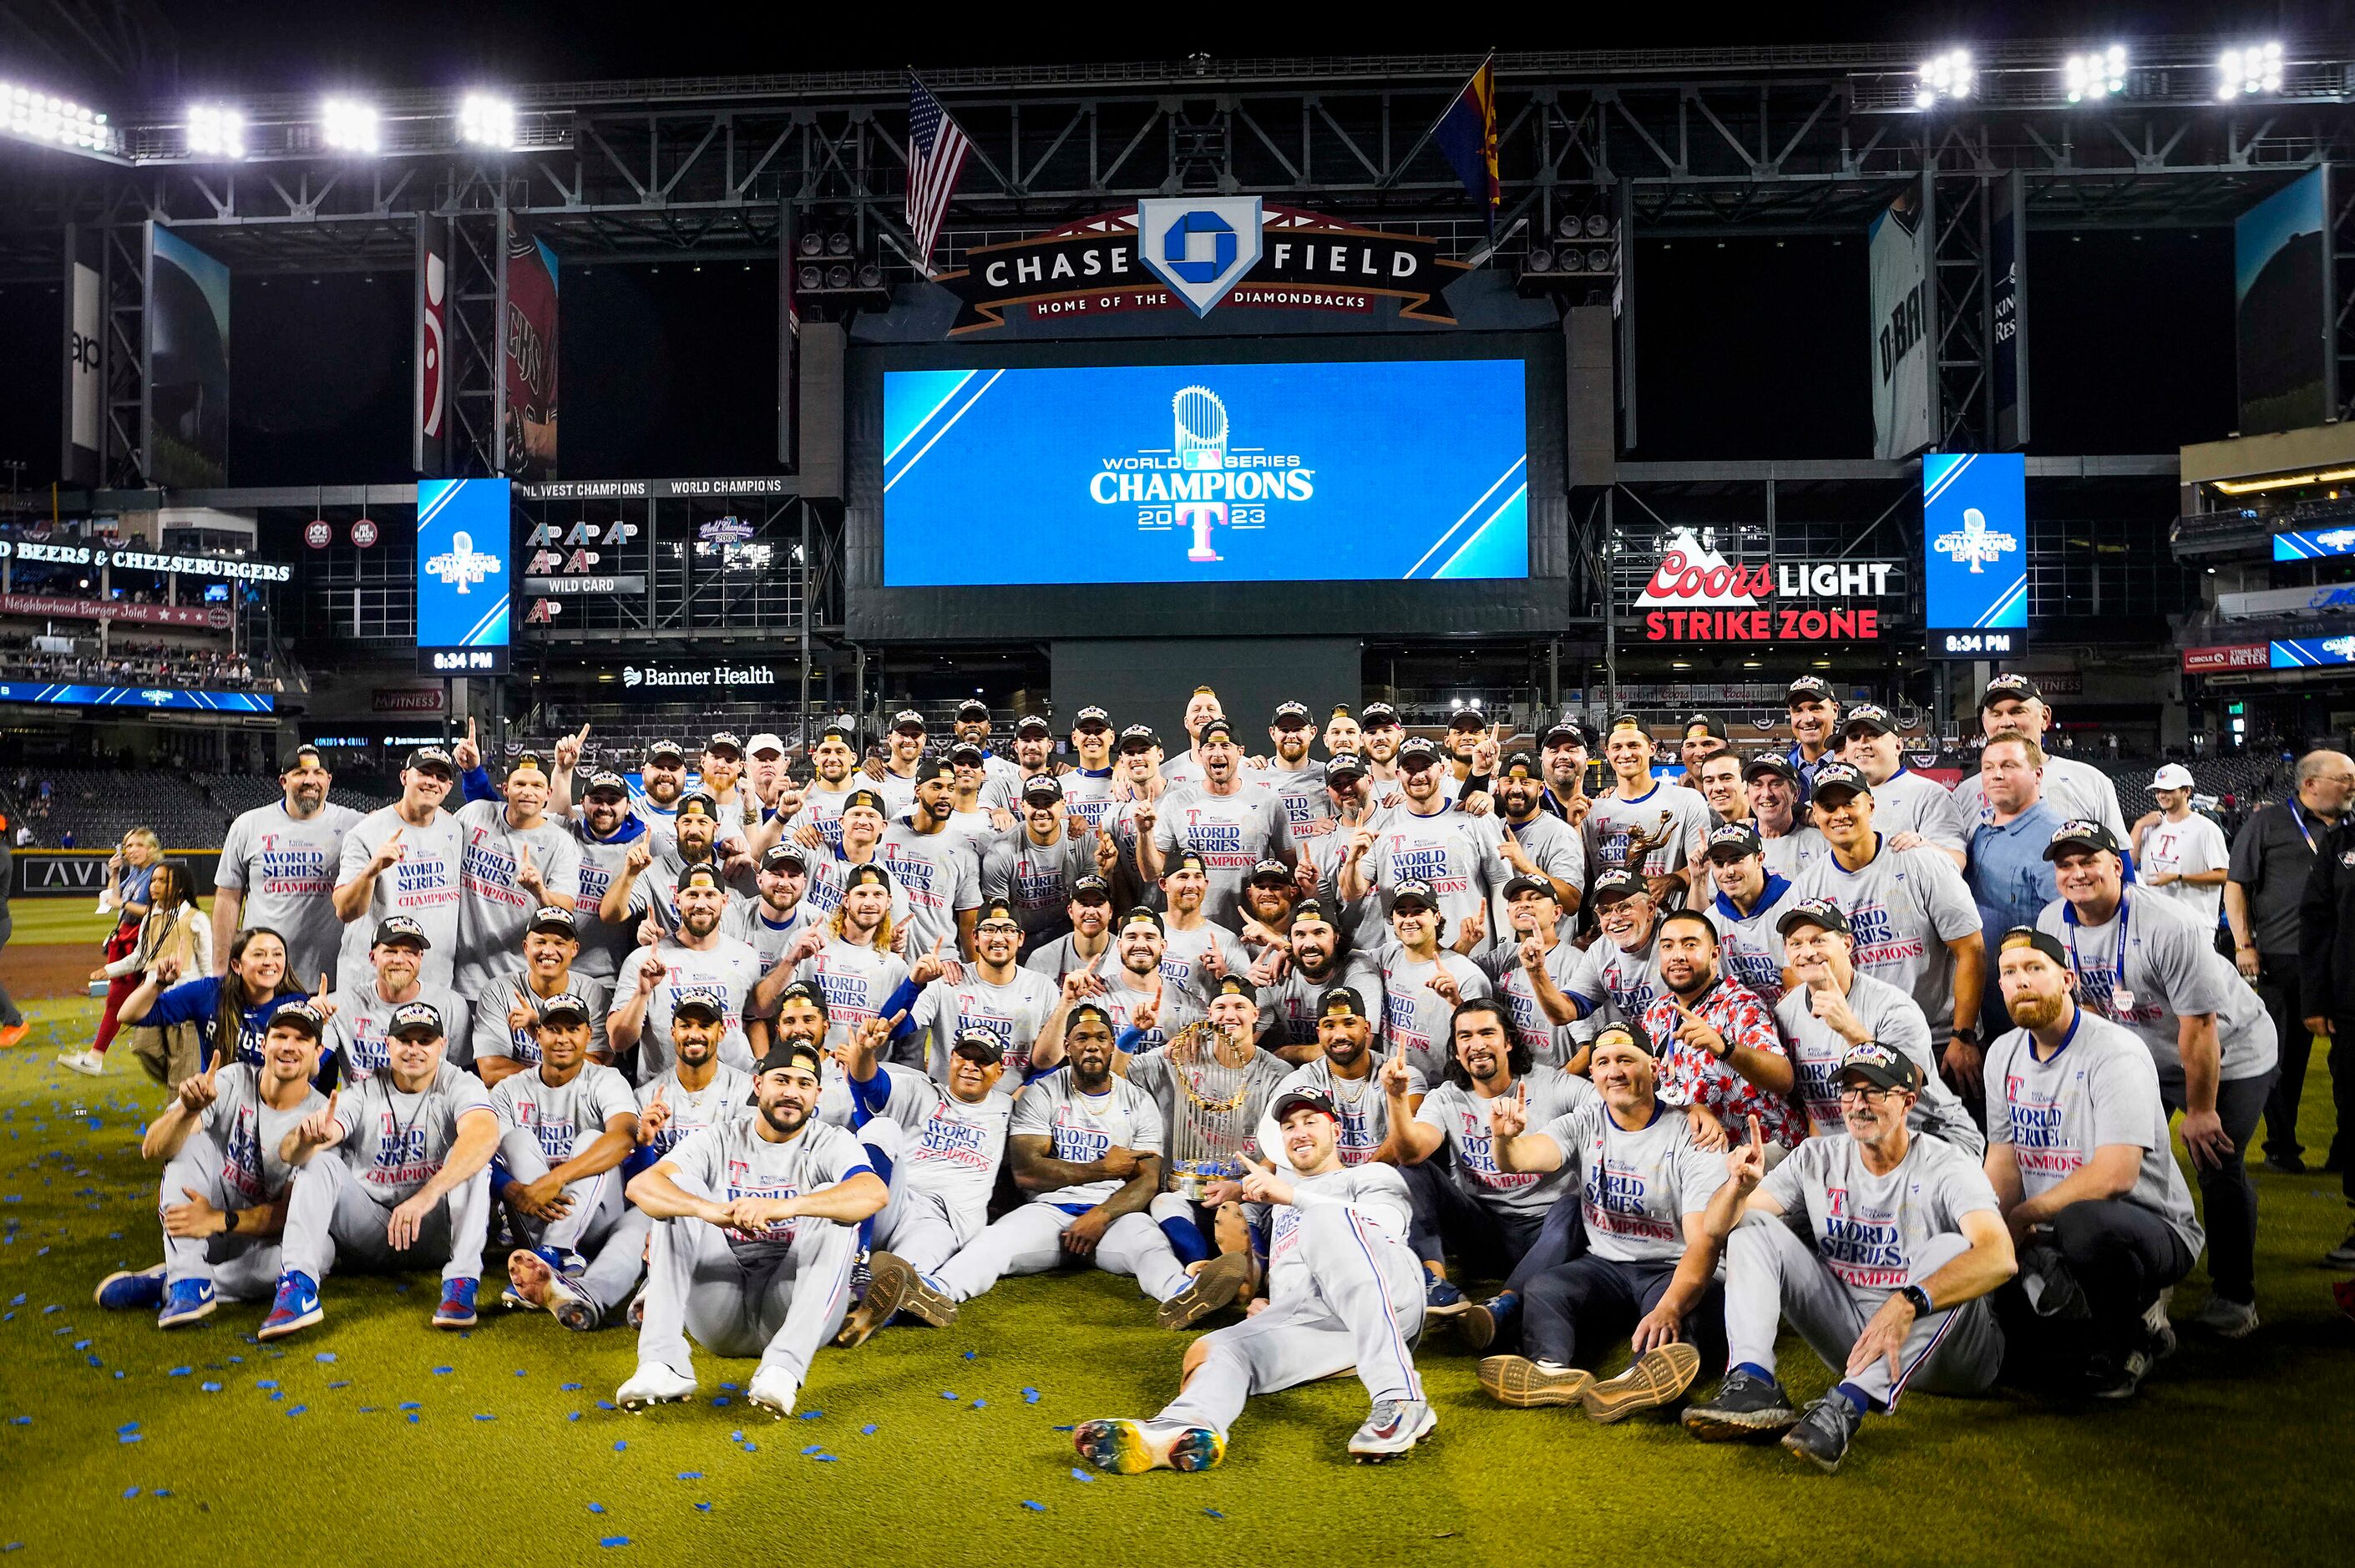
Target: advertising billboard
x,y
1898,255
2281,308
465,576
187,435
1974,554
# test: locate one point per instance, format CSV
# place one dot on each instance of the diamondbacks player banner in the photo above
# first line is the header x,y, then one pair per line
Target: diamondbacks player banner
x,y
528,330
1406,469
1899,258
1974,554
187,435
429,353
463,575
2281,303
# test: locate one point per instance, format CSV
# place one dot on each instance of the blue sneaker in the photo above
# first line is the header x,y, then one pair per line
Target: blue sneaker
x,y
121,1291
1441,1299
184,1301
297,1305
1481,1322
457,1309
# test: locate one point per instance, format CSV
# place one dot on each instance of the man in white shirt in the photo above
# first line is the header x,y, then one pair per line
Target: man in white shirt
x,y
2179,851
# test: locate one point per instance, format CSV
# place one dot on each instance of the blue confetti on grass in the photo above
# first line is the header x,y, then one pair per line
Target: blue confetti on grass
x,y
570,1388
970,1355
130,1492
209,1388
82,1344
867,1430
479,1417
614,1541
298,1410
265,1383
812,1414
178,1371
1034,1506
948,1393
729,1387
1062,1429
604,1405
813,1448
981,1404
574,1416
411,1404
1029,1396
324,1356
128,1437
127,1426
690,1475
718,1401
439,1372
1080,1475
1214,1513
596,1508
620,1444
703,1508
750,1446
412,1418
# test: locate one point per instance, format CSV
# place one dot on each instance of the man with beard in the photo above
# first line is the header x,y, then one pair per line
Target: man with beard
x,y
1427,839
1137,794
696,957
1198,951
2010,705
1382,735
400,1177
1911,809
505,1034
1704,737
1341,732
1266,915
662,779
1139,994
403,859
850,961
1886,1274
361,1020
1533,969
1532,842
1087,790
1791,841
652,867
1202,709
605,829
1617,972
1322,857
995,996
1087,938
1342,1295
834,765
762,1229
1086,1145
1814,728
938,1147
1035,867
1564,748
780,912
1643,1190
1833,1009
1491,1217
939,871
1034,758
1230,827
1916,924
278,867
970,727
2079,1157
861,825
699,1091
1714,1041
1345,1071
564,1129
1747,904
719,773
1645,824
1296,778
1305,971
895,778
1423,982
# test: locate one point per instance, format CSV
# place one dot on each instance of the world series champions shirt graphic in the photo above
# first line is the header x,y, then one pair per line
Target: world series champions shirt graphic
x,y
1861,1242
1614,1200
289,868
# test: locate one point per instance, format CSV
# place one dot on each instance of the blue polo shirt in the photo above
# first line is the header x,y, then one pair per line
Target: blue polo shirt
x,y
2010,879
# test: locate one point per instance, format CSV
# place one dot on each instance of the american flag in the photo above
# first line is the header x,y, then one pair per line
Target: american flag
x,y
936,153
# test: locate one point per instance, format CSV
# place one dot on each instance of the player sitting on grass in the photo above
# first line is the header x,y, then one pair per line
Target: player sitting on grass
x,y
1645,1184
396,1175
1344,1293
564,1129
225,1142
1886,1275
760,1230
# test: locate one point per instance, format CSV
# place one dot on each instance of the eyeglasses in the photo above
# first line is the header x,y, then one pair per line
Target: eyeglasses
x,y
1862,1092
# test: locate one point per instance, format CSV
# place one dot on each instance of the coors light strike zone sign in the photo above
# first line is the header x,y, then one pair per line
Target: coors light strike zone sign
x,y
1696,595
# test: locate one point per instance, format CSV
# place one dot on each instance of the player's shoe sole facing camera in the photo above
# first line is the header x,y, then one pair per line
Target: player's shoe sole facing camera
x,y
1392,1429
1659,1376
1525,1384
893,1286
1745,1408
773,1391
1132,1448
1216,1283
653,1383
571,1306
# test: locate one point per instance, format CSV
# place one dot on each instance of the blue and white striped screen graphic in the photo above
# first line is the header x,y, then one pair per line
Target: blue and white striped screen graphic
x,y
463,564
1206,473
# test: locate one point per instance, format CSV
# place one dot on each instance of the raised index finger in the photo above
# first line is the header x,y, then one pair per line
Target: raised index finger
x,y
1757,1138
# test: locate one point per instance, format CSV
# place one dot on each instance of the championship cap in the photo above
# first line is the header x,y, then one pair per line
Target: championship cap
x,y
908,719
664,748
1347,767
415,1015
1839,775
2080,834
531,760
703,874
307,756
1467,719
1522,883
804,991
1868,716
1091,889
1032,723
564,1007
1139,737
1626,1032
1184,859
2029,937
1304,1099
1773,762
841,729
871,875
697,802
1610,886
1879,1065
997,912
1566,732
554,918
395,929
611,784
869,799
979,1045
1630,721
778,856
1232,984
1732,841
973,707
966,754
1808,689
2008,687
432,759
1043,791
725,743
2174,776
1291,715
1094,1010
1341,1002
701,1000
1272,871
1141,916
1417,749
1311,908
936,764
1415,893
1377,715
1092,717
790,1052
1520,762
763,743
1820,913
1705,723
1217,730
300,1015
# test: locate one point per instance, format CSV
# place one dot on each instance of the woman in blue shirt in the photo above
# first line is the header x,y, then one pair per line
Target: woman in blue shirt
x,y
232,1011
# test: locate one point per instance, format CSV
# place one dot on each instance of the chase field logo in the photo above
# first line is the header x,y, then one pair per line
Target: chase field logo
x,y
1201,481
1974,544
461,566
1200,247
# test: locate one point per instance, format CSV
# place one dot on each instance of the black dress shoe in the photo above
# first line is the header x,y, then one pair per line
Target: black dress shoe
x,y
2286,1164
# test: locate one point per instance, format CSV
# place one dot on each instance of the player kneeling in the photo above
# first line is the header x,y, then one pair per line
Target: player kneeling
x,y
1345,1291
396,1175
1887,1280
759,1229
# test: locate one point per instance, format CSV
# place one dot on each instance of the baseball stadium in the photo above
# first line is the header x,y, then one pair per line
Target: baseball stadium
x,y
959,797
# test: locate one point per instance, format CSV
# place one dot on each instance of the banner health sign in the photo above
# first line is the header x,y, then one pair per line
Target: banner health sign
x,y
1974,554
464,576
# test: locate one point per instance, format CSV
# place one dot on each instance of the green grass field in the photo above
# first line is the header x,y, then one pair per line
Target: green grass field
x,y
41,922
370,1434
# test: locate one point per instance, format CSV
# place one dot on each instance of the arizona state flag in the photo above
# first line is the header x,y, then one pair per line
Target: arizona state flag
x,y
1466,132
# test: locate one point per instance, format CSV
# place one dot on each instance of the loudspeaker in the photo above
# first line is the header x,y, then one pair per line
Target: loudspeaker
x,y
1593,396
823,343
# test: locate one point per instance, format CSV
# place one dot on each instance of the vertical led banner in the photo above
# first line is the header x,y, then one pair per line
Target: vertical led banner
x,y
1974,554
789,335
529,343
465,573
1898,255
85,379
430,420
187,425
2007,307
2281,308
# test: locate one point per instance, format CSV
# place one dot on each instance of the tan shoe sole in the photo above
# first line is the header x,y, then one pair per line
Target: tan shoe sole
x,y
1522,1383
1659,1376
1216,1283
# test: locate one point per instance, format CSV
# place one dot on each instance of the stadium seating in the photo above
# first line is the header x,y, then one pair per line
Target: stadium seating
x,y
99,806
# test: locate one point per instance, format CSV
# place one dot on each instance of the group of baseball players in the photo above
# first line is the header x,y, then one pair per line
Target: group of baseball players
x,y
766,1052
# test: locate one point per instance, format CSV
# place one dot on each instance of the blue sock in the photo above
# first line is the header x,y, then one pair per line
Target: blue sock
x,y
1856,1399
1504,1305
1185,1241
1754,1370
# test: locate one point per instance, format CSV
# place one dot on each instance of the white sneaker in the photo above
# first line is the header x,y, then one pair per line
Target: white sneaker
x,y
773,1391
2233,1320
2162,1331
87,1062
653,1383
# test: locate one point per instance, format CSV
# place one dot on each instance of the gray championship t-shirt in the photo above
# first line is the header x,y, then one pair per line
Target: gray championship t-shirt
x,y
1903,906
356,1031
1418,1023
286,872
248,1133
856,983
2171,969
1749,948
727,966
1549,1044
1013,1013
731,1161
1080,1128
491,1037
395,1142
1870,1230
497,907
1463,1115
1454,853
1037,878
726,1097
423,885
1905,802
1636,1186
1891,1018
940,875
1378,1192
564,1117
1233,833
1365,1111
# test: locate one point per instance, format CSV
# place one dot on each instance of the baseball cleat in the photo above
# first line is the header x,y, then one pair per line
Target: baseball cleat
x,y
1216,1283
1392,1427
635,1314
653,1383
2119,1376
1131,1447
1525,1384
1822,1434
184,1301
1745,1406
131,1287
774,1391
457,1308
893,1286
296,1307
571,1306
528,1272
13,1034
1659,1376
89,1064
1479,1322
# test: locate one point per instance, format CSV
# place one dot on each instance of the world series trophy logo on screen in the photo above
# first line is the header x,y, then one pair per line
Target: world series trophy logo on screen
x,y
1202,448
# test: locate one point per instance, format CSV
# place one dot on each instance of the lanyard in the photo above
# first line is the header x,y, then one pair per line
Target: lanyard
x,y
2077,966
2299,818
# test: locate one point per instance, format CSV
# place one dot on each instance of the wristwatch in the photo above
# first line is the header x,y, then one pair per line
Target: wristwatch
x,y
229,1221
1969,1033
1920,1300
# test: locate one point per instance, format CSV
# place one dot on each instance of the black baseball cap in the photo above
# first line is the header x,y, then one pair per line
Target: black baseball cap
x,y
2081,834
1233,984
701,874
1630,721
1773,762
778,856
1094,1010
1707,723
1342,1001
997,912
1868,716
1839,776
1091,889
936,764
1566,732
973,707
869,799
702,1000
669,748
1414,891
1821,912
1139,737
1140,915
1271,871
1628,1031
434,759
2029,937
1808,689
1091,717
1416,747
1311,908
1303,1099
2006,687
395,929
1467,719
697,804
980,1046
1291,715
415,1015
1217,729
808,991
1033,723
1046,788
305,756
555,917
725,742
1346,767
1184,859
908,718
300,1015
871,875
1610,886
611,784
564,1006
1377,715
1879,1065
968,754
1734,841
841,729
1520,762
789,1052
1524,883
